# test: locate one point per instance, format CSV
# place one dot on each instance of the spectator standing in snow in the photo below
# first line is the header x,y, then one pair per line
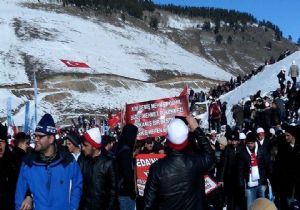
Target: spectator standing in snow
x,y
223,115
294,72
215,114
281,79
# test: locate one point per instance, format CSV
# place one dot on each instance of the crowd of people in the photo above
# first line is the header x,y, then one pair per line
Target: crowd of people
x,y
220,89
92,169
267,121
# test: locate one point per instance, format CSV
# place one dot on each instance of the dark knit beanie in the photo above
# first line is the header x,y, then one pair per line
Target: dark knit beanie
x,y
74,138
46,125
251,137
291,130
235,136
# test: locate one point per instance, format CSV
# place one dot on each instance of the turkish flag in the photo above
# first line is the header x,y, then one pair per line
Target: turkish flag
x,y
74,64
114,120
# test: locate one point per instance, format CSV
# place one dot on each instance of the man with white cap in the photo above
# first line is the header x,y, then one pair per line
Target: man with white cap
x,y
254,169
175,182
262,140
294,72
242,137
100,183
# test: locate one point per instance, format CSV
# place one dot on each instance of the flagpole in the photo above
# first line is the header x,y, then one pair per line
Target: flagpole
x,y
26,121
9,112
35,96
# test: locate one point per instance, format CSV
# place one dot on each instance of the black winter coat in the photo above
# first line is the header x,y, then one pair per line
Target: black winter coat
x,y
100,183
281,77
289,171
8,179
264,166
230,168
20,155
266,145
125,161
175,182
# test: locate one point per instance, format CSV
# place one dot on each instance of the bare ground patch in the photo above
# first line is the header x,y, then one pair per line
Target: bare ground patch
x,y
79,85
29,31
53,98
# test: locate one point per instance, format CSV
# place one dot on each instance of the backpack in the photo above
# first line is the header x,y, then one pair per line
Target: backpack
x,y
215,111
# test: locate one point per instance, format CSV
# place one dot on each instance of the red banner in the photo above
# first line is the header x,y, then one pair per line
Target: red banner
x,y
152,117
143,163
184,92
74,64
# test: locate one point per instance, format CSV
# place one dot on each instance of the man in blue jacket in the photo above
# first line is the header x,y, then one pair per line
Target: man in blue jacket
x,y
49,173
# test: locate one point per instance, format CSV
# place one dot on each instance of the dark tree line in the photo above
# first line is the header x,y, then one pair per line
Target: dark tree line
x,y
215,14
136,7
132,7
275,28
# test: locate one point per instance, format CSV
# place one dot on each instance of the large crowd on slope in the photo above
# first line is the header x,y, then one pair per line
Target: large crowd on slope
x,y
88,170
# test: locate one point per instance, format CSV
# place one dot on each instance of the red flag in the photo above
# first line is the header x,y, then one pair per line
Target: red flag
x,y
74,64
114,120
184,92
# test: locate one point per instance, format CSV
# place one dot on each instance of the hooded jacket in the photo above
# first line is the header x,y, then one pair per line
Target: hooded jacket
x,y
125,161
57,185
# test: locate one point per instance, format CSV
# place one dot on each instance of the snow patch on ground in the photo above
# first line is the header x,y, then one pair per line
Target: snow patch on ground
x,y
182,23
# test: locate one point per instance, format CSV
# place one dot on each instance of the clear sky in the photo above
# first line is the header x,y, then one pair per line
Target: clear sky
x,y
284,13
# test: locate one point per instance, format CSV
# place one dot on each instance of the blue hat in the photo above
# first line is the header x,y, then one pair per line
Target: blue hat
x,y
46,125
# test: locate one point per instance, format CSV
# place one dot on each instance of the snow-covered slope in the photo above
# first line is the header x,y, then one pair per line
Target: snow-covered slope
x,y
266,81
126,51
46,37
108,96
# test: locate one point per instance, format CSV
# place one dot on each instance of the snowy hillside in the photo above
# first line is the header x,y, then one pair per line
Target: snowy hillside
x,y
126,51
119,56
266,81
